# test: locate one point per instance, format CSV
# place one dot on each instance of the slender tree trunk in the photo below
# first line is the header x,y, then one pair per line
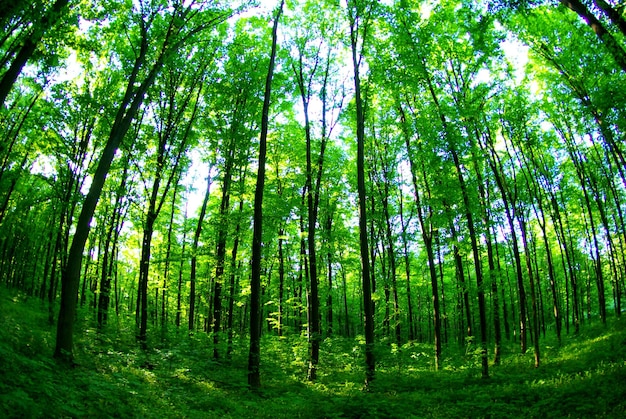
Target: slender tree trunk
x,y
232,282
509,201
460,274
194,253
482,311
133,99
493,280
427,229
533,292
407,272
445,322
168,255
220,256
254,356
346,312
179,293
281,280
392,259
111,236
354,16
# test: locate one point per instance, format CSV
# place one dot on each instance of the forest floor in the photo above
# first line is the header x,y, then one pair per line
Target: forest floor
x,y
583,377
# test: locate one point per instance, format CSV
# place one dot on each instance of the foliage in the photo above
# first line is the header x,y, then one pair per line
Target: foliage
x,y
487,150
177,378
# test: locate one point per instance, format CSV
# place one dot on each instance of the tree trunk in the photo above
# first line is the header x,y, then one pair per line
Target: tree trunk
x,y
194,254
509,201
179,293
111,236
428,230
70,280
613,47
254,355
29,45
220,256
354,15
482,311
533,292
407,272
232,282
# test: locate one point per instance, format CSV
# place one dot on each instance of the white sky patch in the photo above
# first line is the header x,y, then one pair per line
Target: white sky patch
x,y
195,181
517,54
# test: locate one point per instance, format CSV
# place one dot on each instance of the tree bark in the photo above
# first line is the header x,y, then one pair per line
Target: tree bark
x,y
194,254
28,47
614,48
254,355
355,18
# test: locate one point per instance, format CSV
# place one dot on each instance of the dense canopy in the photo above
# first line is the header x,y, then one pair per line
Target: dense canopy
x,y
448,173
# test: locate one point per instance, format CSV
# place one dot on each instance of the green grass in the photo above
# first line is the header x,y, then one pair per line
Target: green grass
x,y
584,377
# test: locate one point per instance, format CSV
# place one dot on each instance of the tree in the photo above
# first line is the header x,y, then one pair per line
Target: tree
x,y
254,356
142,76
173,132
359,19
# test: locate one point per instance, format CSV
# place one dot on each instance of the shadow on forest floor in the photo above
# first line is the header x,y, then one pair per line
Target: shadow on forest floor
x,y
584,377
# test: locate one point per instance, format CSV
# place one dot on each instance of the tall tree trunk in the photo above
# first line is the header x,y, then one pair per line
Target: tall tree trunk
x,y
391,255
111,236
493,274
482,311
179,293
356,24
509,201
144,267
407,271
168,256
533,292
427,228
194,253
70,280
460,274
232,281
220,256
281,280
254,355
330,275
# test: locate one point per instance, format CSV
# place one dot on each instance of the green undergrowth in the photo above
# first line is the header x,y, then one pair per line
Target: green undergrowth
x,y
582,377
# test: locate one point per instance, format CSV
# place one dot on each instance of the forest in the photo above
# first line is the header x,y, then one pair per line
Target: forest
x,y
299,208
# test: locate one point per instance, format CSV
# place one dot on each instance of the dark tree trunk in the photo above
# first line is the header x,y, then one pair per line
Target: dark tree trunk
x,y
222,236
482,311
368,307
427,228
179,293
254,355
407,272
29,45
194,254
533,292
132,101
233,282
108,254
613,47
509,201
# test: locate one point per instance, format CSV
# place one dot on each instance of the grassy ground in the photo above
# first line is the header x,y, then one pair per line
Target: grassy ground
x,y
584,377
